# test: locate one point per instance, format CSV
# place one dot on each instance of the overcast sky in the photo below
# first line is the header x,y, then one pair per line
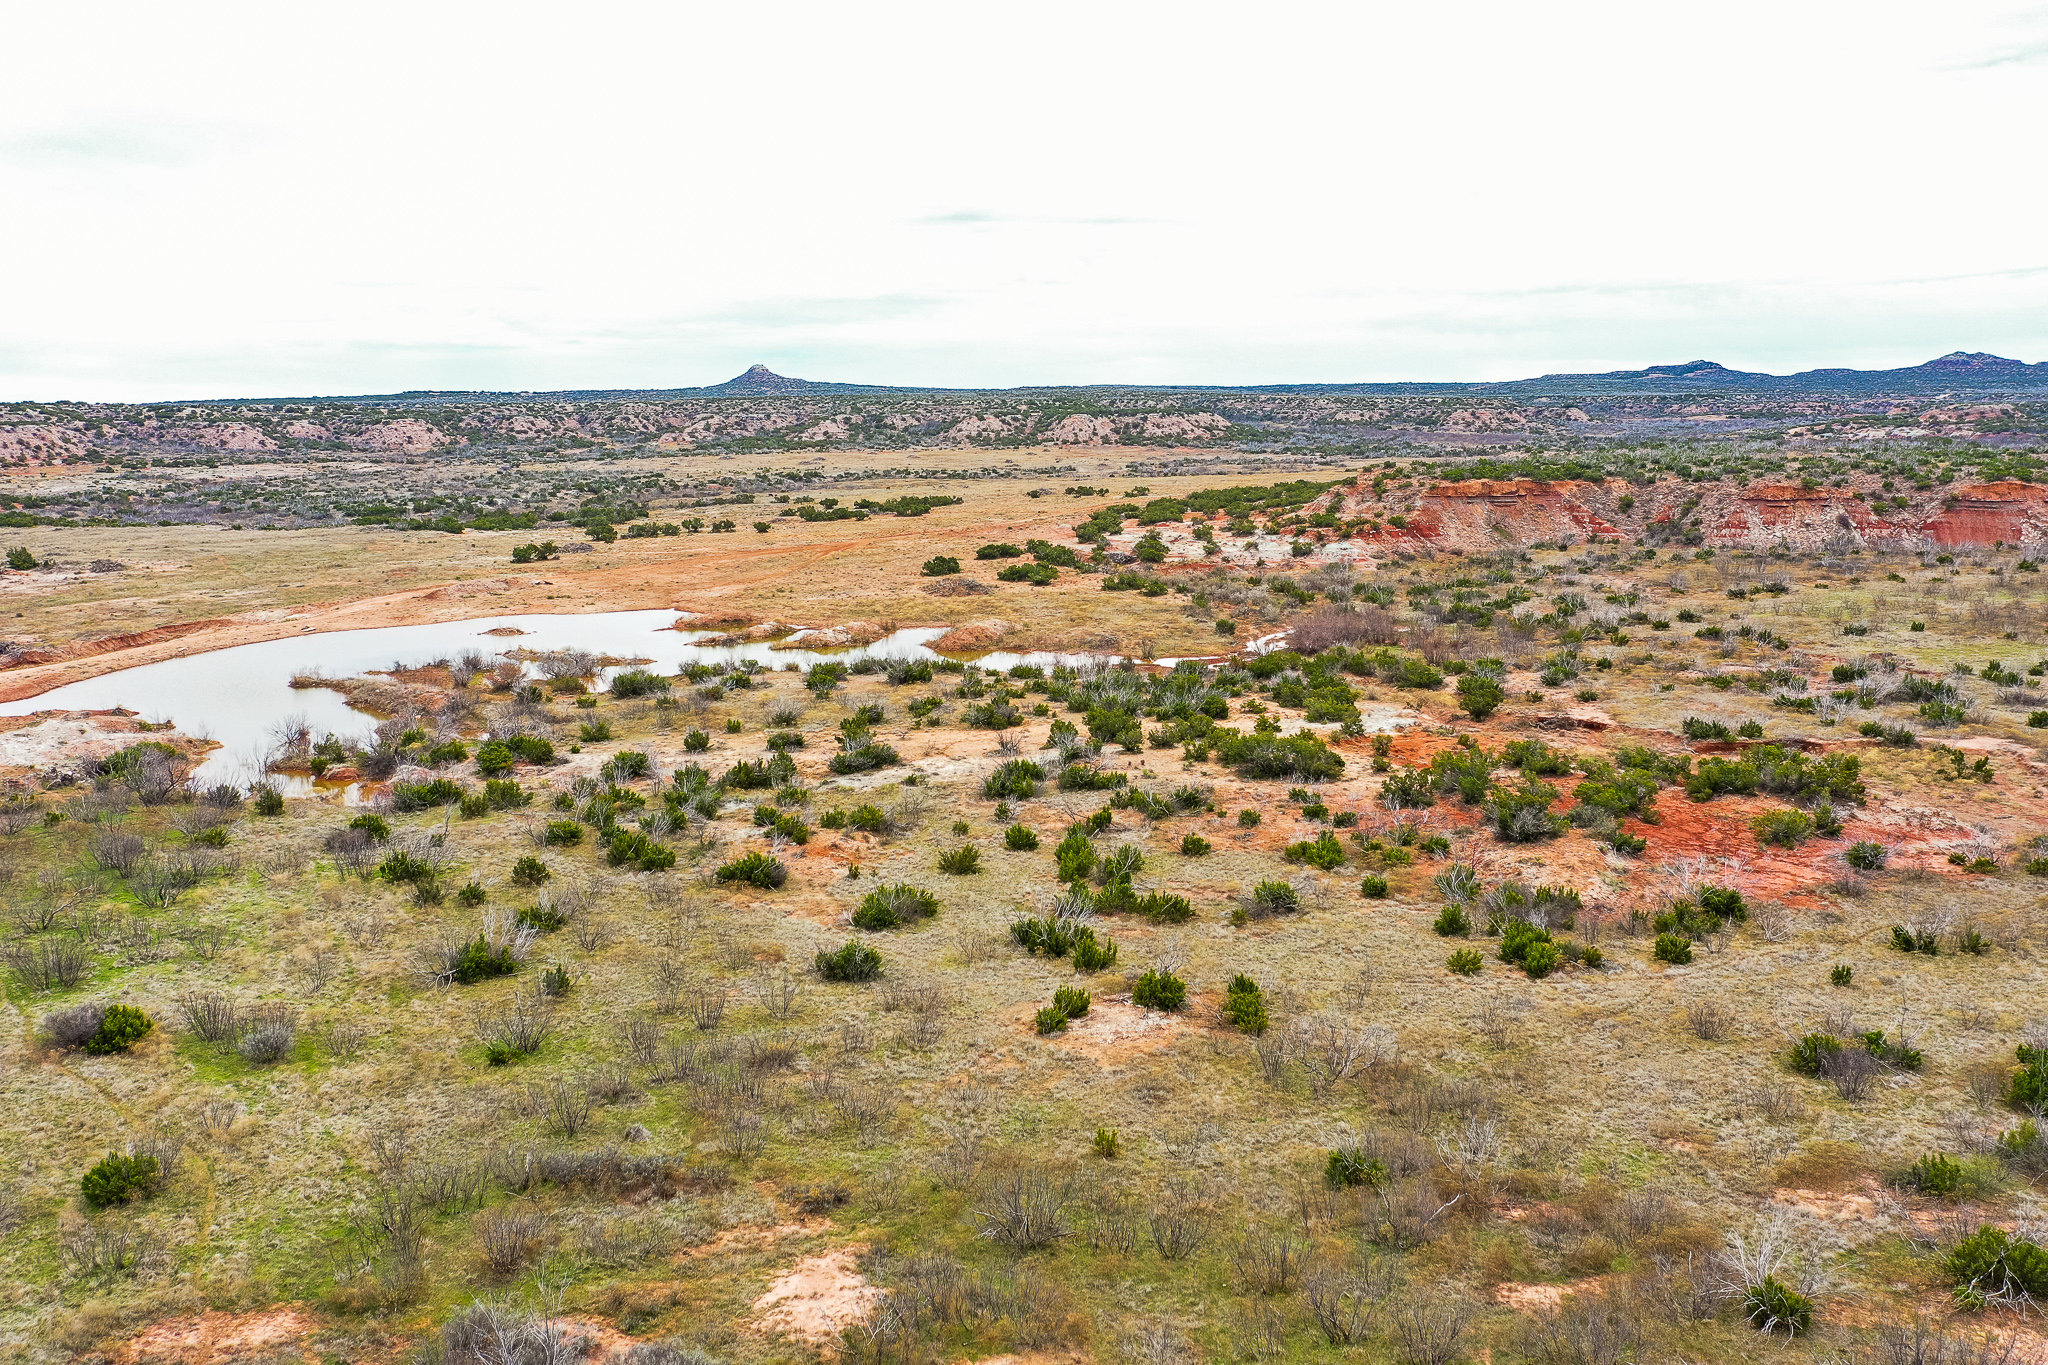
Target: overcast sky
x,y
208,200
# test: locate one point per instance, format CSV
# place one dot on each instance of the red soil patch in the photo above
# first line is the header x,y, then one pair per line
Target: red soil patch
x,y
818,1298
216,1338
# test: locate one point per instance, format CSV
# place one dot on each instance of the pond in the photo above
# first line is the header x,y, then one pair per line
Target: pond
x,y
240,696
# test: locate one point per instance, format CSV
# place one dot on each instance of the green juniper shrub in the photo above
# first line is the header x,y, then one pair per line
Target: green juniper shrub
x,y
1350,1168
1248,819
1267,900
938,566
638,682
1051,1019
599,731
1244,1006
754,868
1373,886
506,795
1934,1173
1842,974
696,741
564,832
1323,852
961,862
530,871
554,981
891,907
1866,856
471,894
1915,940
474,806
116,1179
1071,1001
373,825
268,800
1092,954
1453,922
121,1027
631,848
1157,990
854,962
1107,1144
478,961
1993,1266
1467,962
1673,949
1194,846
1075,855
1020,838
1016,780
1784,828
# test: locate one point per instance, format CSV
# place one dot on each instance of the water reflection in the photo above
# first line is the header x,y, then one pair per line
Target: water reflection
x,y
239,696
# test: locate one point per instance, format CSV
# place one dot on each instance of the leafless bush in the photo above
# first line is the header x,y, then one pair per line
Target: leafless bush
x,y
98,1249
1428,1333
1920,1342
1345,1299
1851,1070
565,1108
592,933
1344,625
494,1334
1586,1329
1499,1021
341,1037
866,1111
523,1028
1331,1049
780,992
506,1237
270,1033
641,1039
1180,1219
49,964
74,1027
195,820
566,663
705,1002
1266,1260
1779,1104
165,1150
1026,1209
115,851
218,1116
1710,1020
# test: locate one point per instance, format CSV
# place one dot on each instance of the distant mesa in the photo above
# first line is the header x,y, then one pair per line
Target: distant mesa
x,y
760,379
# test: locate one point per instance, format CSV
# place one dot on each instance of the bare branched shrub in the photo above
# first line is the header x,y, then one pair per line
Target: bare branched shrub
x,y
116,851
1331,1049
780,991
1428,1333
705,1003
269,1032
1344,625
1920,1342
565,1108
1710,1020
1026,1209
507,1237
1346,1298
1180,1220
641,1039
1499,1021
1266,1260
522,1028
49,964
75,1025
1586,1329
211,1016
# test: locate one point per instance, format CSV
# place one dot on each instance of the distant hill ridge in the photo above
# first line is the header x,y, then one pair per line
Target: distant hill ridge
x,y
1974,372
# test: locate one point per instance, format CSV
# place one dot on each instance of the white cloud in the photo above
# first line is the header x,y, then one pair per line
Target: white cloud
x,y
240,199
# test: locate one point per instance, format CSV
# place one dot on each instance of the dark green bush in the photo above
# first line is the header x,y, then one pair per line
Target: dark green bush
x,y
961,862
1071,1001
1323,852
1157,990
1673,949
1244,1006
938,566
1373,886
117,1179
1015,780
1453,922
854,962
1020,838
754,868
530,871
1934,1174
1350,1168
122,1027
564,832
1992,1266
268,800
638,682
1866,856
1771,1307
890,907
1467,962
1194,846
